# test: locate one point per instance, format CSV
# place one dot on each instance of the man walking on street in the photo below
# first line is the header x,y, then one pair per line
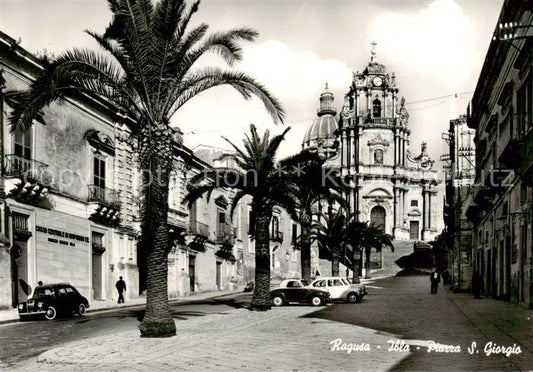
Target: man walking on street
x,y
121,287
435,279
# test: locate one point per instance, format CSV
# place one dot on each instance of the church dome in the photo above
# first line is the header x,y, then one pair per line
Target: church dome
x,y
321,134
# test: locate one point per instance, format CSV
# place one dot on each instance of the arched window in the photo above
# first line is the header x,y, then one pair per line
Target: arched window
x,y
376,112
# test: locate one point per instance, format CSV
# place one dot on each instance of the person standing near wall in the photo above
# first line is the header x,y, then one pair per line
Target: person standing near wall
x,y
435,279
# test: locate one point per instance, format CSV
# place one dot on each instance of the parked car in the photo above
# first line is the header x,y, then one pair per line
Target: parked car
x,y
340,288
297,290
53,300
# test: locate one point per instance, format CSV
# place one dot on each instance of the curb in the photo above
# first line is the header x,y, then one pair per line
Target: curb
x,y
172,301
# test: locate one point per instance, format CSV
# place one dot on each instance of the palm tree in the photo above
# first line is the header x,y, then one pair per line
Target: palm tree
x,y
363,236
311,190
331,234
147,70
268,182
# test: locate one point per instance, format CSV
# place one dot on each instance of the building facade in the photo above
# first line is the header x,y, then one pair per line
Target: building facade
x,y
459,164
367,146
501,205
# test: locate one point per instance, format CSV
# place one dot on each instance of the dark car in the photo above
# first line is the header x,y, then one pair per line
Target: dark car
x,y
53,300
296,290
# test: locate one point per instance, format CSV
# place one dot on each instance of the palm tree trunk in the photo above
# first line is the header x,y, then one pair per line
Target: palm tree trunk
x,y
367,262
305,252
355,278
261,300
335,265
156,164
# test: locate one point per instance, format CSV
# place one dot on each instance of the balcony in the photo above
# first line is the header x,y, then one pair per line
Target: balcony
x,y
225,235
26,179
277,236
104,205
104,195
199,229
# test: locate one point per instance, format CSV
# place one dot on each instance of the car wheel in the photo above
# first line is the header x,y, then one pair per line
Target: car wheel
x,y
353,298
50,313
81,310
316,301
277,301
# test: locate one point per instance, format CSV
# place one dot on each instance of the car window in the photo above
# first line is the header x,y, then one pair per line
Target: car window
x,y
293,284
42,292
337,282
345,281
69,290
320,283
62,292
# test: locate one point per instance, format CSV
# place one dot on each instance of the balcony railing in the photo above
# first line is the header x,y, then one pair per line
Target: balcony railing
x,y
199,228
28,168
225,234
104,195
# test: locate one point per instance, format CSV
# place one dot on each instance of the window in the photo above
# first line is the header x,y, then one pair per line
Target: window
x,y
376,108
98,239
69,290
99,172
23,144
524,104
294,237
378,156
251,222
62,292
320,283
414,203
293,284
275,225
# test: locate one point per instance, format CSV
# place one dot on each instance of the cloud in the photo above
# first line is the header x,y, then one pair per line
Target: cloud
x,y
295,77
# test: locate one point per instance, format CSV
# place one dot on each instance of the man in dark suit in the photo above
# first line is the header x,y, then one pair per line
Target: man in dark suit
x,y
121,287
435,279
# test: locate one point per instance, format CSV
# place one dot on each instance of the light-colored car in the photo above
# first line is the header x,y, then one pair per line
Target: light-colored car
x,y
340,288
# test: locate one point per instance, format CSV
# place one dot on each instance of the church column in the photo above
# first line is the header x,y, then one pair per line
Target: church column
x,y
425,212
344,161
396,148
396,209
357,103
352,150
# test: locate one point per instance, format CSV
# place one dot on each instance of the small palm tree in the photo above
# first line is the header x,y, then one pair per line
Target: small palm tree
x,y
268,182
331,234
363,237
147,70
311,190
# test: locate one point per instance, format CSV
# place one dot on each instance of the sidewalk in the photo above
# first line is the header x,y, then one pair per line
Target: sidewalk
x,y
11,315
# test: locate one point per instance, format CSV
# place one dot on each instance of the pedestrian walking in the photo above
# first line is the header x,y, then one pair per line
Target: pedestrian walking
x,y
435,279
476,284
121,287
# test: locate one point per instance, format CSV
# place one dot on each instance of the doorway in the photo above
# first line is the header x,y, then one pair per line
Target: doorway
x,y
377,217
192,272
414,230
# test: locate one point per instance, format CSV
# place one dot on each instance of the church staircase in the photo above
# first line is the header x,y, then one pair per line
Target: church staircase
x,y
389,267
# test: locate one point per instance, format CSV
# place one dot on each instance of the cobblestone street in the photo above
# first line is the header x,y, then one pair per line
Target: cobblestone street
x,y
298,338
404,306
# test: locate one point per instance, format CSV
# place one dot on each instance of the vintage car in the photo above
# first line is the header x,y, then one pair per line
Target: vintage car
x,y
296,290
340,288
53,300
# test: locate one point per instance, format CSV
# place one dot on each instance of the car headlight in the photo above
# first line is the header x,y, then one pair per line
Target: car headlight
x,y
21,306
39,304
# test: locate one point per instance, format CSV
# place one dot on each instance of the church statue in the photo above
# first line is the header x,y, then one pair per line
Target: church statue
x,y
402,112
423,159
346,112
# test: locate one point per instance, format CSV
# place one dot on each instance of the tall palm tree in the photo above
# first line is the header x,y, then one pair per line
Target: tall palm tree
x,y
363,236
330,231
268,182
147,69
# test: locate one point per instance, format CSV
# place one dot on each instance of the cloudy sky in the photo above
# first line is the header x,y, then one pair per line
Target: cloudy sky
x,y
435,48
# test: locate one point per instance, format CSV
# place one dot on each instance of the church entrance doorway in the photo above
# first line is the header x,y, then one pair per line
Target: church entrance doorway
x,y
377,217
413,230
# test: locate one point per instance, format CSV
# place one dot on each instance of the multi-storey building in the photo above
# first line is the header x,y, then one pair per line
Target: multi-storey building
x,y
501,112
366,147
459,164
69,201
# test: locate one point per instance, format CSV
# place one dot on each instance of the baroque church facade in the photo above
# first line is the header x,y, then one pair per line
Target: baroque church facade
x,y
367,146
